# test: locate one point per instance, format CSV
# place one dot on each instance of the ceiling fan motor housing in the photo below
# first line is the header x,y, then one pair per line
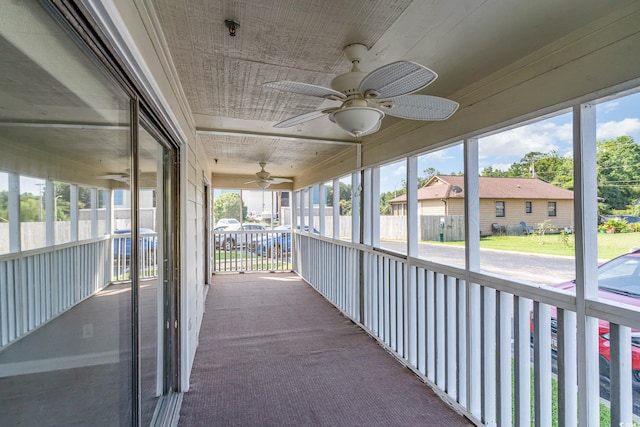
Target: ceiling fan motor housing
x,y
348,83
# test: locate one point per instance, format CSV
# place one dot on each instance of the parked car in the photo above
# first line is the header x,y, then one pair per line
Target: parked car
x,y
619,282
228,221
277,243
230,238
630,219
122,245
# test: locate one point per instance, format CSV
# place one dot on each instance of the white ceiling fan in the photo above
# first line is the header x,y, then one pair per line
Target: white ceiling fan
x,y
122,177
366,97
264,178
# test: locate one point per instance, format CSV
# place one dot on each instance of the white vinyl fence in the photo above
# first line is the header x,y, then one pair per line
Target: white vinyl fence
x,y
394,227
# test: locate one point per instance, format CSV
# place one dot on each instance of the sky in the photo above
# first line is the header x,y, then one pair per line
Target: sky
x,y
614,118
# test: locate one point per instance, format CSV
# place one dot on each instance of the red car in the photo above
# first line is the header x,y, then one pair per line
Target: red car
x,y
618,281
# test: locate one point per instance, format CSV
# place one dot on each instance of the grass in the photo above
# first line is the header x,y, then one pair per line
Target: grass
x,y
605,413
609,245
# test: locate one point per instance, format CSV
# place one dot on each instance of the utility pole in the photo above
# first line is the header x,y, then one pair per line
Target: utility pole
x,y
40,194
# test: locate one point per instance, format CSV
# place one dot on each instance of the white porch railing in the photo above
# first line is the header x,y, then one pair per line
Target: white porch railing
x,y
252,250
147,260
38,285
478,340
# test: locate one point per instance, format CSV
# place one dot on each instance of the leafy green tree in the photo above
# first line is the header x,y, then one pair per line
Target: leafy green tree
x,y
549,167
4,206
230,205
618,171
428,173
489,171
385,206
345,207
345,194
31,209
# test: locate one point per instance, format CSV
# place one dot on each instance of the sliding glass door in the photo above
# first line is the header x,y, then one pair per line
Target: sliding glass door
x,y
156,289
88,214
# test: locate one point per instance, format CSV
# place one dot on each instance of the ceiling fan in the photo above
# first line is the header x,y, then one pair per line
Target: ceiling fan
x,y
122,177
264,178
366,97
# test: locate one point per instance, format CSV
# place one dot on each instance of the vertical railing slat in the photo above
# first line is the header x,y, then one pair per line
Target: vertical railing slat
x,y
542,363
489,355
431,326
393,306
451,338
412,328
504,310
422,326
4,304
620,374
522,362
474,351
440,322
462,342
567,368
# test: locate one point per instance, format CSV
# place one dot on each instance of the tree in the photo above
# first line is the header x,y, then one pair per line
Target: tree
x,y
385,206
229,205
428,174
618,171
345,194
30,208
4,206
549,167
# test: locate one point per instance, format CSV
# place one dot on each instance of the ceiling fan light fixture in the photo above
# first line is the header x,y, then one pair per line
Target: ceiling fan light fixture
x,y
263,184
357,120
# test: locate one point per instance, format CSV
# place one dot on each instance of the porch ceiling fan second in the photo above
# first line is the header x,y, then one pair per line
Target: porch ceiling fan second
x,y
264,178
365,98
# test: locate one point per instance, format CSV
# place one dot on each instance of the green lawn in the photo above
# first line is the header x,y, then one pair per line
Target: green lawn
x,y
605,413
609,245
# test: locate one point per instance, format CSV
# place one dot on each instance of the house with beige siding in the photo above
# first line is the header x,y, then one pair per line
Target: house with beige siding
x,y
503,201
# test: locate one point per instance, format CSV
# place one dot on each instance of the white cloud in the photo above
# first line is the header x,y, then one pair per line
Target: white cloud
x,y
613,129
402,170
608,106
542,136
436,155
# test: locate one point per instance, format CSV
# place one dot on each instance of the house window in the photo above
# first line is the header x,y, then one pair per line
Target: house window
x,y
551,208
500,209
527,207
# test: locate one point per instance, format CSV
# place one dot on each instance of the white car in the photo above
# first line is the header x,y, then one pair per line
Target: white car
x,y
235,236
228,221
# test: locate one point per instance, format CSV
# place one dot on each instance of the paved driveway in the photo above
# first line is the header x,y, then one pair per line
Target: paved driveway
x,y
544,269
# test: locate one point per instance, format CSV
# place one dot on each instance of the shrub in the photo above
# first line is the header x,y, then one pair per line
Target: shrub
x,y
615,226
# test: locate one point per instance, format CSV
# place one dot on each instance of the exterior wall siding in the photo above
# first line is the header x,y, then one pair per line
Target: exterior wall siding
x,y
431,207
515,212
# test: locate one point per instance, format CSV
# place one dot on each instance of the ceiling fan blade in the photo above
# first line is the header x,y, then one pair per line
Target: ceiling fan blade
x,y
302,118
115,176
306,89
397,79
279,180
420,107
